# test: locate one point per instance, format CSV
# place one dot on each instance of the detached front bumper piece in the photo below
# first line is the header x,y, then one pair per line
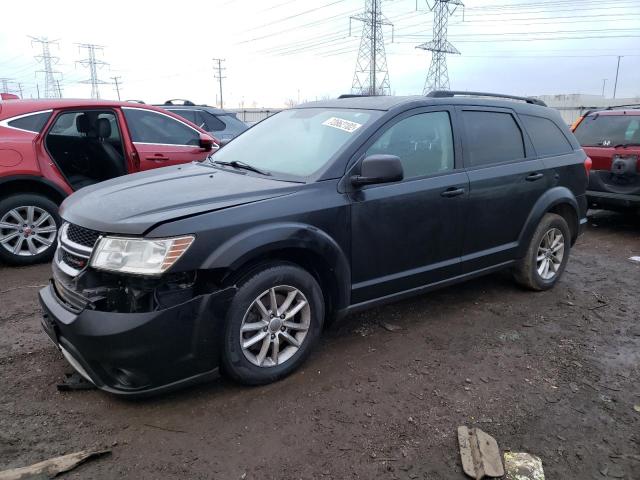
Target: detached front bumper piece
x,y
137,354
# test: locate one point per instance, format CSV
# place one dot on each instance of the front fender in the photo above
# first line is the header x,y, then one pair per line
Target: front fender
x,y
550,199
261,240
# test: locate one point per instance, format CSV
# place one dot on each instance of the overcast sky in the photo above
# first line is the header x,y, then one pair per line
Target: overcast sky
x,y
277,50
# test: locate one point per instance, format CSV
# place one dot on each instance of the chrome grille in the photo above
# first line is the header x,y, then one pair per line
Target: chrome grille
x,y
75,245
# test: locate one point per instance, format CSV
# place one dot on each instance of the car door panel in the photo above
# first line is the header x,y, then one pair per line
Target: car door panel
x,y
161,140
407,234
501,196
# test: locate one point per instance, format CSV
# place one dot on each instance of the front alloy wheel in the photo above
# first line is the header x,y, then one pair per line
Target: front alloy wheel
x,y
275,326
550,254
272,324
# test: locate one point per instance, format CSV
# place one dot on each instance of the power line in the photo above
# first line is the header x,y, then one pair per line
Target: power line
x,y
5,84
51,85
92,64
371,76
218,69
439,46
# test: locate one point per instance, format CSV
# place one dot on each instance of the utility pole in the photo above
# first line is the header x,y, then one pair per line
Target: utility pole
x,y
59,89
371,76
615,85
439,46
92,64
47,60
115,81
604,82
20,89
218,69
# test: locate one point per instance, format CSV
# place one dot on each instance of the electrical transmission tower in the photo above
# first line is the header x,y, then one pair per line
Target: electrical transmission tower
x,y
51,83
92,64
371,76
218,68
5,85
438,76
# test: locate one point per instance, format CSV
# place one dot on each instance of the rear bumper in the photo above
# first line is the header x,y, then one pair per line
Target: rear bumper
x,y
137,354
612,200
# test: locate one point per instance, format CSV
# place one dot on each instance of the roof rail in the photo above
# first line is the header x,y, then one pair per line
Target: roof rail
x,y
134,101
355,95
454,93
628,105
187,103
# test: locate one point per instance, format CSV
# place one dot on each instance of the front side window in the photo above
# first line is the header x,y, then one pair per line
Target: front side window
x,y
147,126
296,142
423,142
608,130
31,123
492,137
547,138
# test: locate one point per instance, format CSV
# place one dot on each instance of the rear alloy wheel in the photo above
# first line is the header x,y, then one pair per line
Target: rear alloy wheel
x,y
547,254
28,229
273,322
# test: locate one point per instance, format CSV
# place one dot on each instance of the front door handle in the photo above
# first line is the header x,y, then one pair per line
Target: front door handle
x,y
452,192
158,158
532,177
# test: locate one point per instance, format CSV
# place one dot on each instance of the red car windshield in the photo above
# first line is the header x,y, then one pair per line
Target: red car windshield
x,y
608,130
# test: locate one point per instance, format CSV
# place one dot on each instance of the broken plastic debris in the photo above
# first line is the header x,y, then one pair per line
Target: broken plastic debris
x,y
635,259
522,466
52,467
479,453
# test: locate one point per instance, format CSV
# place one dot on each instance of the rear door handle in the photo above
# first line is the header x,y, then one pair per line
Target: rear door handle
x,y
158,158
452,192
532,177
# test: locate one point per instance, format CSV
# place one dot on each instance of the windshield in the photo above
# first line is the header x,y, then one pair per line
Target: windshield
x,y
608,130
296,142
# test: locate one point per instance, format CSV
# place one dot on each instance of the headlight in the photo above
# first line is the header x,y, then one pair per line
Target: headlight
x,y
139,256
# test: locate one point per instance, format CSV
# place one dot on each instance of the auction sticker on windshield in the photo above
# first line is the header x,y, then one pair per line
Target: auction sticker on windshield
x,y
342,124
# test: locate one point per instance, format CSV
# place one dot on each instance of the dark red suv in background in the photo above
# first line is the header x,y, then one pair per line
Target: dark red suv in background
x,y
611,138
50,148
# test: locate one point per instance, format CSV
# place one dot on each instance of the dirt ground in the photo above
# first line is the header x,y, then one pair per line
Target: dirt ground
x,y
556,374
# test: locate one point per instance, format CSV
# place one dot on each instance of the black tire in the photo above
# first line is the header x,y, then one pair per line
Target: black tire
x,y
526,270
27,200
235,363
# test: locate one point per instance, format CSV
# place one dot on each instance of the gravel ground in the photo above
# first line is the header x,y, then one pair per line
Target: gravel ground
x,y
556,374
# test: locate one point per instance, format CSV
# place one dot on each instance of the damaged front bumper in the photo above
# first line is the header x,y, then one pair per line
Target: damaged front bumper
x,y
138,353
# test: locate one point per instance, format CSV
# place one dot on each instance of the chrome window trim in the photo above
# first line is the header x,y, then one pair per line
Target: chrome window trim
x,y
5,122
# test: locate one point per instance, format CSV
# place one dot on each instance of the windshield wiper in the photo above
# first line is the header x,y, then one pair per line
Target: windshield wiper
x,y
625,145
241,165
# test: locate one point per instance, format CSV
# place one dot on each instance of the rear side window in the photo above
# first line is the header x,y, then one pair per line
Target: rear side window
x,y
547,138
31,123
608,130
492,137
209,122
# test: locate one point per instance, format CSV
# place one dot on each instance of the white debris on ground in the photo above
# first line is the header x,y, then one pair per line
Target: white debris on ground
x,y
522,466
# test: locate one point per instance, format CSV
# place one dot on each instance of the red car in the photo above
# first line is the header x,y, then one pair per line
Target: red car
x,y
611,138
50,148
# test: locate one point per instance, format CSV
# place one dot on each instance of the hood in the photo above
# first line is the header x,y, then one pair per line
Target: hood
x,y
135,203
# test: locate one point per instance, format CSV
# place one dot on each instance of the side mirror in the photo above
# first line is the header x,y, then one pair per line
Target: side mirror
x,y
379,169
206,142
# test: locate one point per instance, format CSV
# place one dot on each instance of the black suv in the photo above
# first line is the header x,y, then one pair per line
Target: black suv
x,y
221,124
163,277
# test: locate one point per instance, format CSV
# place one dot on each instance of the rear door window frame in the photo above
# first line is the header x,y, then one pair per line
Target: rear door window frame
x,y
529,152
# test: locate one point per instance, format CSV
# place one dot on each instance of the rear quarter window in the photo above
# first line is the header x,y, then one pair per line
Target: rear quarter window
x,y
547,138
32,123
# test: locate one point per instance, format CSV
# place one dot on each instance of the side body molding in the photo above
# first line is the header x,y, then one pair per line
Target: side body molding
x,y
260,241
551,198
